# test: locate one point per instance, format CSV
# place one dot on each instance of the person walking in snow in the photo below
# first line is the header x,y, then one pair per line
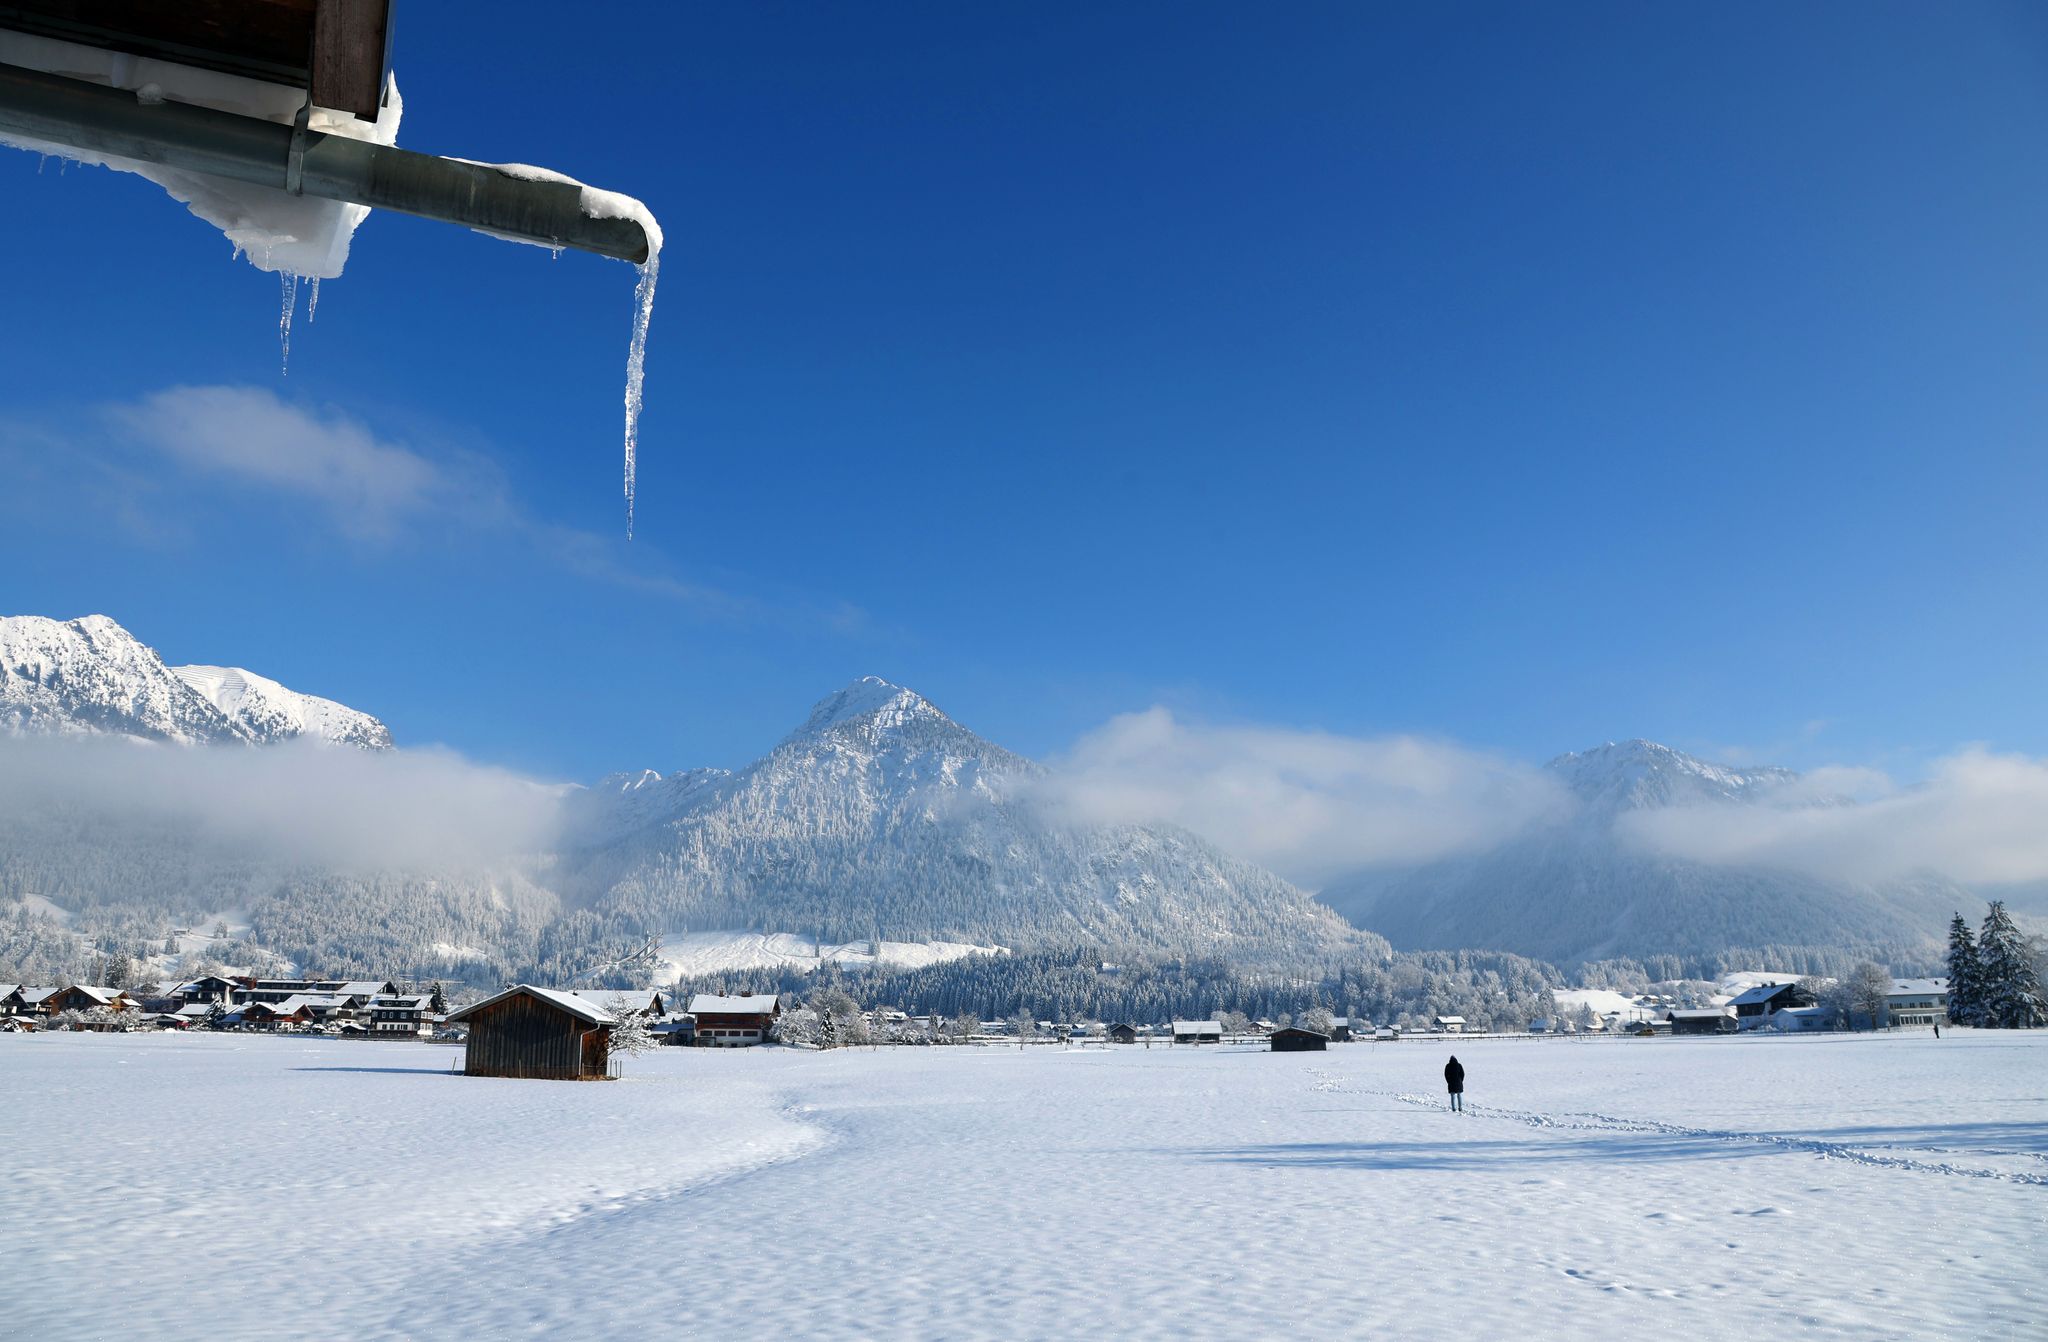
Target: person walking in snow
x,y
1454,1077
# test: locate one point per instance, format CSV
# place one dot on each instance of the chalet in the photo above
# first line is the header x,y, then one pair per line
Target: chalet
x,y
1123,1034
1298,1039
12,1003
735,1022
1704,1020
536,1033
245,991
1451,1024
1197,1032
1754,1007
402,1016
84,997
204,990
1918,1002
290,1014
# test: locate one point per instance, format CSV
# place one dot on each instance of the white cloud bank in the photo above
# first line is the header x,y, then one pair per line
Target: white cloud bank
x,y
1309,805
1980,818
293,803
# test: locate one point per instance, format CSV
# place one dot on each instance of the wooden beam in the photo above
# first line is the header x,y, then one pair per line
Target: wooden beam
x,y
351,43
261,39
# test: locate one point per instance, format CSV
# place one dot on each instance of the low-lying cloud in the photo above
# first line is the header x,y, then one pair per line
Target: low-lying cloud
x,y
297,803
1309,805
1979,818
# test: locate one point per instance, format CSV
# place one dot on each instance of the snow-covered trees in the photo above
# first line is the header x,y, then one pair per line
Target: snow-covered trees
x,y
1965,973
1869,988
1318,1018
2010,987
631,1034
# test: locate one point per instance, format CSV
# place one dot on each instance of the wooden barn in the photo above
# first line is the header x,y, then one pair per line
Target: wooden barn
x,y
1296,1039
536,1033
735,1022
1123,1034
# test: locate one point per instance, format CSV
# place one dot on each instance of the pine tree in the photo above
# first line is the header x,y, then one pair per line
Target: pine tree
x,y
2011,989
440,1003
1965,974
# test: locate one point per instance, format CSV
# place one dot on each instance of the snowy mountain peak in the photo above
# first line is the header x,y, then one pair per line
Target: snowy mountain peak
x,y
91,675
1632,775
871,709
270,712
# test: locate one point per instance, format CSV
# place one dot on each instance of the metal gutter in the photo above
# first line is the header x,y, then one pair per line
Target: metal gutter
x,y
93,117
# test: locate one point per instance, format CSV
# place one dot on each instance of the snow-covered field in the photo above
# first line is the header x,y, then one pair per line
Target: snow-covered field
x,y
1797,1187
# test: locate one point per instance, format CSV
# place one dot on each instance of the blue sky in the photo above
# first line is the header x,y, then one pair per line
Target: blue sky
x,y
1524,377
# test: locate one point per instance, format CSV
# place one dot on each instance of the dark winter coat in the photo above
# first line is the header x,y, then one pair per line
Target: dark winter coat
x,y
1454,1077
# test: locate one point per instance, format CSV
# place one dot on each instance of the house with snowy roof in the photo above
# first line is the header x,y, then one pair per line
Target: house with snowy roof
x,y
1451,1024
12,1003
735,1022
1198,1032
1701,1020
1753,1006
1917,1002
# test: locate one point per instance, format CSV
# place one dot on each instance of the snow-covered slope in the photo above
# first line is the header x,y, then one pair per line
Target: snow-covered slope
x,y
91,675
1578,890
882,818
270,712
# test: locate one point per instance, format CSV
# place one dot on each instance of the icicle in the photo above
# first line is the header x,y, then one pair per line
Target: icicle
x,y
313,302
288,286
636,367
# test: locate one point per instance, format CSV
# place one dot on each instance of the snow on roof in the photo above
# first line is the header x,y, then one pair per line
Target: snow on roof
x,y
194,1010
9,989
1900,987
569,1002
1697,1013
1450,1020
751,1004
296,1001
357,987
601,998
1762,992
104,996
1198,1027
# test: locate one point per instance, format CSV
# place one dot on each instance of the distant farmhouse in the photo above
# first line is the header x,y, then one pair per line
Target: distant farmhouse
x,y
1753,1008
1197,1032
734,1022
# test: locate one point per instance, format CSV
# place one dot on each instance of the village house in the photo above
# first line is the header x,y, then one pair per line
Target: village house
x,y
85,997
1298,1039
398,1016
1753,1008
1450,1024
204,990
536,1033
1917,1002
245,991
1791,1019
1702,1020
735,1022
12,1002
1197,1032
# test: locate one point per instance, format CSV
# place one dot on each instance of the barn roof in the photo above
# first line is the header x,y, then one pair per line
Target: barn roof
x,y
1198,1027
569,1002
1696,1013
1300,1029
749,1004
1762,992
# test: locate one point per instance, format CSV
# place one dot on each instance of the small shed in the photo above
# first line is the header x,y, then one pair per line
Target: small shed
x,y
1124,1033
1298,1039
536,1033
1340,1029
1197,1032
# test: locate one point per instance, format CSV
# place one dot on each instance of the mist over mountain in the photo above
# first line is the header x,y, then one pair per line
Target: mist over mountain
x,y
1591,885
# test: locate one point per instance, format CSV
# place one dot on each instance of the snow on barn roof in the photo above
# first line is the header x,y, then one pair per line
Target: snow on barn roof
x,y
1450,1020
1696,1013
1198,1027
642,999
1900,987
750,1004
569,1002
